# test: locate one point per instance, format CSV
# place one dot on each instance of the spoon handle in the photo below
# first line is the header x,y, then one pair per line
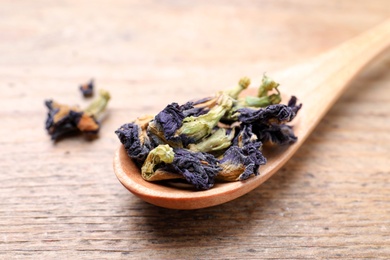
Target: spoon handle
x,y
321,81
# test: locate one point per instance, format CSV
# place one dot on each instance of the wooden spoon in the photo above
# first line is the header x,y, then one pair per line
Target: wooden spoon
x,y
317,84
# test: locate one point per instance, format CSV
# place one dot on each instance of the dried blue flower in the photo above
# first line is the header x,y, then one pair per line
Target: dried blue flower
x,y
245,136
157,158
195,128
199,169
189,109
166,123
170,119
240,163
292,103
61,119
135,140
277,113
184,141
278,134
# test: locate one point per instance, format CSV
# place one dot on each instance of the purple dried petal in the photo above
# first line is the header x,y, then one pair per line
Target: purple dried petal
x,y
189,110
170,119
248,157
293,104
277,113
198,168
244,136
136,147
278,134
67,124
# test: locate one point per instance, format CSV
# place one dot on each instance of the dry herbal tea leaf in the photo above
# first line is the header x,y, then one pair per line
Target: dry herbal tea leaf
x,y
216,138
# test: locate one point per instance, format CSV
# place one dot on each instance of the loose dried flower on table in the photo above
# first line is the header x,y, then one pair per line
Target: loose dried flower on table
x,y
63,120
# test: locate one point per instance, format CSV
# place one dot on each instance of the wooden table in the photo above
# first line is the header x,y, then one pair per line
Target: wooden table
x,y
63,201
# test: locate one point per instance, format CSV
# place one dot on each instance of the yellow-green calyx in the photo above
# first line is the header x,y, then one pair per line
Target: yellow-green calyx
x,y
201,126
243,83
160,154
216,141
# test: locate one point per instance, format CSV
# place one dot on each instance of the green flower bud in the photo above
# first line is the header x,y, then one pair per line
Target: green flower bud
x,y
243,83
196,128
160,154
267,84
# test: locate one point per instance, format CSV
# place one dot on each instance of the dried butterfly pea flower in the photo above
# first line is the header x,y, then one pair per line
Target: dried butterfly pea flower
x,y
189,109
199,169
245,136
87,88
164,162
135,140
63,119
224,125
195,128
278,134
278,113
158,157
240,163
169,120
292,103
166,123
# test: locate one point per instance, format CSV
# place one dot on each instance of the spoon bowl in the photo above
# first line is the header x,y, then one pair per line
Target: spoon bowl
x,y
317,83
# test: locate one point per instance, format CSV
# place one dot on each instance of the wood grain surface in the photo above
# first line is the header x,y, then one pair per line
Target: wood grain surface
x,y
63,201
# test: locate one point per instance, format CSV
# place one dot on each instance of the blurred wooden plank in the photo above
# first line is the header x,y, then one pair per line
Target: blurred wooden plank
x,y
330,201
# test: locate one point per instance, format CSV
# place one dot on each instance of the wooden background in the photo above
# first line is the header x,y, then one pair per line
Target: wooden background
x,y
63,201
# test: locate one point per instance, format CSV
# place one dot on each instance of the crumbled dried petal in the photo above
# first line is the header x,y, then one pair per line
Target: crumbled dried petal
x,y
198,168
189,109
87,88
240,163
170,119
278,134
278,113
244,136
88,125
135,141
61,119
